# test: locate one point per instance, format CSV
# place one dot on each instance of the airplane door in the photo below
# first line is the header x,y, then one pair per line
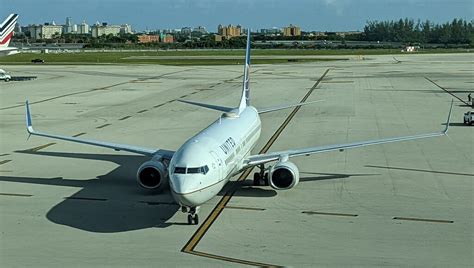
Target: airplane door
x,y
217,164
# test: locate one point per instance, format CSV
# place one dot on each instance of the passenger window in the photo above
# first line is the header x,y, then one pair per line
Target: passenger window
x,y
180,170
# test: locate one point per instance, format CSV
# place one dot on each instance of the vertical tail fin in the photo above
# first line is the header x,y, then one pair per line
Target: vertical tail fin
x,y
245,98
6,30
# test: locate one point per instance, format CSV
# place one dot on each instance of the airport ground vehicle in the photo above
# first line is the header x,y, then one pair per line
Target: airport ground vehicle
x,y
37,61
469,118
4,76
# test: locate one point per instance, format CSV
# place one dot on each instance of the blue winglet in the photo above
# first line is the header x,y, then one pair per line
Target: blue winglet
x,y
445,131
29,126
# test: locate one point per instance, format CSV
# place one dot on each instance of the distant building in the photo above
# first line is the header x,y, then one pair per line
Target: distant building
x,y
292,30
67,28
83,28
144,38
46,31
229,31
126,29
218,38
166,38
17,28
271,31
98,30
200,29
186,30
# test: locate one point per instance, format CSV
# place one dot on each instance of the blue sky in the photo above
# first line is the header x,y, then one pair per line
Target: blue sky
x,y
320,15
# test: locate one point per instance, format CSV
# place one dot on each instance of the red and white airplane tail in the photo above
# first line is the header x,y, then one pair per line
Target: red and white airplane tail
x,y
6,30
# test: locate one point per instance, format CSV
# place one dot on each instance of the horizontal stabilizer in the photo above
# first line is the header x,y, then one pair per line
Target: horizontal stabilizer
x,y
209,106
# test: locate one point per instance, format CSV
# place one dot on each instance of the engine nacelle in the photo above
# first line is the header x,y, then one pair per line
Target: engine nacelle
x,y
152,175
284,176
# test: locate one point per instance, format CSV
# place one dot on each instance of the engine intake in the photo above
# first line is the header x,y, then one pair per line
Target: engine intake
x,y
152,175
284,176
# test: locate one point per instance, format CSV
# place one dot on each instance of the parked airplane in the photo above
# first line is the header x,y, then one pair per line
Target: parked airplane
x,y
200,168
6,33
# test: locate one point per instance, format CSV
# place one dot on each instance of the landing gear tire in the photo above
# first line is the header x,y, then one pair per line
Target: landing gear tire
x,y
193,219
259,180
256,179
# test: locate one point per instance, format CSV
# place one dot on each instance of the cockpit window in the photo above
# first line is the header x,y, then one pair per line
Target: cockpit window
x,y
204,169
191,170
180,170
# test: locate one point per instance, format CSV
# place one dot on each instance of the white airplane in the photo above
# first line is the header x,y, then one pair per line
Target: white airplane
x,y
200,168
6,33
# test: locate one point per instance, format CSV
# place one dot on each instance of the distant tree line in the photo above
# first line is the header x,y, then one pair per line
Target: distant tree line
x,y
406,30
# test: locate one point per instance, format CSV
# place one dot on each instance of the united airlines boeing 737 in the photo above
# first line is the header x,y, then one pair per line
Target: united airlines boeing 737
x,y
200,168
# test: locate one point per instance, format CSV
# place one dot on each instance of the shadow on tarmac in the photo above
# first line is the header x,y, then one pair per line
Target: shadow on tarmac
x,y
330,176
109,203
113,202
421,170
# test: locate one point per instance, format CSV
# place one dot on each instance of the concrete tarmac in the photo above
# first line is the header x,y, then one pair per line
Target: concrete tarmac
x,y
403,204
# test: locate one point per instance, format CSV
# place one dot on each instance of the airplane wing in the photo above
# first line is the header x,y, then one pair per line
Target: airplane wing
x,y
209,106
115,146
283,155
284,106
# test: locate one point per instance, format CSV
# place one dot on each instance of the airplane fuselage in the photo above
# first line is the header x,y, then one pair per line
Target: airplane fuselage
x,y
205,163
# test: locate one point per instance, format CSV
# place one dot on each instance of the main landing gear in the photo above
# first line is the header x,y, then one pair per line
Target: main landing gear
x,y
193,218
261,178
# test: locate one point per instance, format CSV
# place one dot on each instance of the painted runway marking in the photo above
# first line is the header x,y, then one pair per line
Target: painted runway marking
x,y
85,198
125,117
338,81
211,218
245,208
5,161
79,134
89,90
104,125
36,149
19,195
329,213
420,219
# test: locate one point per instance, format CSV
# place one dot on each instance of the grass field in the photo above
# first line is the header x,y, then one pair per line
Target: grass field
x,y
121,57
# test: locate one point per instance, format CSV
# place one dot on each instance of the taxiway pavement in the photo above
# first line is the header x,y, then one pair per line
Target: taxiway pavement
x,y
404,204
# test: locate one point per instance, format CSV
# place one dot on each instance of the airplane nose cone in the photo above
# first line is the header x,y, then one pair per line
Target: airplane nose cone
x,y
186,191
180,184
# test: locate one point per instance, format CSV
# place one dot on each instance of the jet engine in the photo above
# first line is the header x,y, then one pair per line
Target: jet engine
x,y
284,176
152,175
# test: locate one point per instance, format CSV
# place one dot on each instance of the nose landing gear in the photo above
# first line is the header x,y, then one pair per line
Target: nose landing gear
x,y
193,218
